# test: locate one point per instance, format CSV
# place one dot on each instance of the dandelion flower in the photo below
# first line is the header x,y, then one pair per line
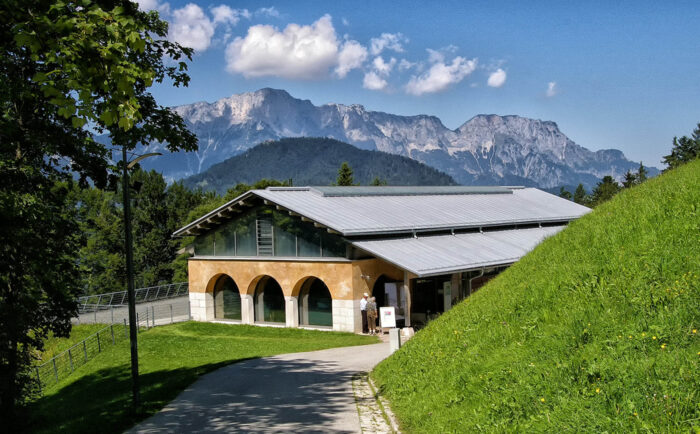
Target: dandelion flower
x,y
597,390
695,331
541,399
635,413
653,337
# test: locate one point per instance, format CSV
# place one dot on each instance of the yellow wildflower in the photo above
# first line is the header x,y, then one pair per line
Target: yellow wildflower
x,y
542,399
653,337
597,390
695,331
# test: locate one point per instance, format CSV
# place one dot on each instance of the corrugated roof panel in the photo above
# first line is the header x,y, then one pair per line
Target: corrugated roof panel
x,y
442,254
358,215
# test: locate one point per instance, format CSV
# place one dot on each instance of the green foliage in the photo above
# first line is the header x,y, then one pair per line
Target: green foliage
x,y
580,196
564,193
378,182
314,161
604,190
345,177
684,150
171,358
596,330
64,65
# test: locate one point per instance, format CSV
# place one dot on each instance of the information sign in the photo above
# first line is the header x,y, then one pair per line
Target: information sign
x,y
387,317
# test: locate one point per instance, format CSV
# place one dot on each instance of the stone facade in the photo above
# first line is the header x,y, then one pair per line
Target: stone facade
x,y
346,280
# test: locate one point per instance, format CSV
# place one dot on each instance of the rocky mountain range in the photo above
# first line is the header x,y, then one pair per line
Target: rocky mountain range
x,y
485,150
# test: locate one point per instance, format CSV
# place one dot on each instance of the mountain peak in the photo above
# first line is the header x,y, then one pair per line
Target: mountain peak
x,y
487,149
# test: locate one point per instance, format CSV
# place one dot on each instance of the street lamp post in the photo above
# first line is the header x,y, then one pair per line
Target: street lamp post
x,y
130,277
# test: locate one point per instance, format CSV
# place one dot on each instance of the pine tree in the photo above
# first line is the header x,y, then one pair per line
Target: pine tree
x,y
563,192
605,190
345,177
641,173
684,149
580,195
630,180
378,182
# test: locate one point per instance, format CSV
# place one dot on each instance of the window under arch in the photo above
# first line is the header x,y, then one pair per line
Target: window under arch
x,y
269,301
227,299
315,303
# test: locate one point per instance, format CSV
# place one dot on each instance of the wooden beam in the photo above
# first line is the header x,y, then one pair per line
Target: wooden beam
x,y
331,231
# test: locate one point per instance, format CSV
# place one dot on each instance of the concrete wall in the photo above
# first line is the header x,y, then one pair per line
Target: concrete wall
x,y
346,281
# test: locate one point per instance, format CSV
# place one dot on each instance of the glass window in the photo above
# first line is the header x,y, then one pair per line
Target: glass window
x,y
269,301
227,299
226,240
204,244
333,245
246,241
316,304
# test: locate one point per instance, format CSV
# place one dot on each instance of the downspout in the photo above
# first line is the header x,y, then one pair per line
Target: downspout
x,y
481,274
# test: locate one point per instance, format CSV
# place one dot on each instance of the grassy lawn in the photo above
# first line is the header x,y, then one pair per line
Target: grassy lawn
x,y
97,397
596,330
54,346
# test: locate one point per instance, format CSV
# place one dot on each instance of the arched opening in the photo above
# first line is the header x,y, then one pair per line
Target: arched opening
x,y
227,299
269,301
315,303
378,290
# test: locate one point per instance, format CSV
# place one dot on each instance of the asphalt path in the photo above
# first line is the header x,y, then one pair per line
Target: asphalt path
x,y
300,392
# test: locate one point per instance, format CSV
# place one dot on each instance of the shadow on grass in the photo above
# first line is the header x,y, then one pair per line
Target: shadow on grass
x,y
252,395
101,401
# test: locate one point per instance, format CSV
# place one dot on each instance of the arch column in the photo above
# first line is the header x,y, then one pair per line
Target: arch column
x,y
291,309
247,309
346,315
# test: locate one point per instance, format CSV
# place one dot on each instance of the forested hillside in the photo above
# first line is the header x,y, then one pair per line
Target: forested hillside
x,y
314,161
596,330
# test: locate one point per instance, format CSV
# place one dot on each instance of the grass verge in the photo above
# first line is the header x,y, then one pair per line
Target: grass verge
x,y
596,330
97,396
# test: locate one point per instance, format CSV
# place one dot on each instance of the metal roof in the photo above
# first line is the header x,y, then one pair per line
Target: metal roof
x,y
443,254
362,211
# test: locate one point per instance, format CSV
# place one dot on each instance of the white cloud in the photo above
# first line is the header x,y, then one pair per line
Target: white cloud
x,y
270,12
373,81
440,75
405,65
224,14
297,52
147,5
497,78
387,41
345,22
551,89
382,67
190,27
351,56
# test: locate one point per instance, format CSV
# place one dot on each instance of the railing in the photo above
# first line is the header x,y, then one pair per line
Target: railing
x,y
64,364
91,303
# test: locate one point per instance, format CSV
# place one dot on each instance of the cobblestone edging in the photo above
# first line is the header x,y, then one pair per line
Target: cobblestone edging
x,y
375,414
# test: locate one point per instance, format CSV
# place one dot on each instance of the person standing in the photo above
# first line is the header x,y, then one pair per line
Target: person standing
x,y
372,315
363,312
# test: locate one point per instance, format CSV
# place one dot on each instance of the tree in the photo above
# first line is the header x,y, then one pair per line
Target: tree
x,y
563,192
378,182
605,190
642,173
684,150
345,177
630,180
580,195
64,65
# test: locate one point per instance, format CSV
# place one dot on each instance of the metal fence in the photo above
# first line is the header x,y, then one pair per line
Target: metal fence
x,y
91,303
64,364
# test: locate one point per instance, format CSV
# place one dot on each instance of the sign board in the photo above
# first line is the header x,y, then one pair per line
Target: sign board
x,y
387,317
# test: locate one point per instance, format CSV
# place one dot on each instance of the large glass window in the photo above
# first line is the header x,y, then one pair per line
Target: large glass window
x,y
291,237
315,304
227,299
269,301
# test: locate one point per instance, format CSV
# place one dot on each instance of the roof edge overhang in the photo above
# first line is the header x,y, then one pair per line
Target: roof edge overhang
x,y
446,270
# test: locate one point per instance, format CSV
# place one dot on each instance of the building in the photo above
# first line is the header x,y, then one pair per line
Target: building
x,y
303,256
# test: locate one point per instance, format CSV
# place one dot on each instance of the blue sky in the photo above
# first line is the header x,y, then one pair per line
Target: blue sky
x,y
622,74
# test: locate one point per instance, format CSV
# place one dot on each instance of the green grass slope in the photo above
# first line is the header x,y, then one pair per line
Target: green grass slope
x,y
595,330
97,397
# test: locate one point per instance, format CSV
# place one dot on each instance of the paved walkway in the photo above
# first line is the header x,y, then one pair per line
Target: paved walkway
x,y
301,392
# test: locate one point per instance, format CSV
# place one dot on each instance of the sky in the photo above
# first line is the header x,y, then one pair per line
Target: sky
x,y
622,74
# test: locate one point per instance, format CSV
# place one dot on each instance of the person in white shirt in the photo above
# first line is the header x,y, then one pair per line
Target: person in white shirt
x,y
363,312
